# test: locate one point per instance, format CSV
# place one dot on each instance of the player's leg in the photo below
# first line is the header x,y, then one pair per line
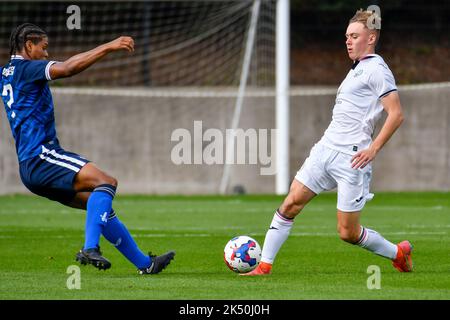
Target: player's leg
x,y
52,173
353,193
348,226
310,180
79,201
352,232
95,191
281,225
117,234
99,204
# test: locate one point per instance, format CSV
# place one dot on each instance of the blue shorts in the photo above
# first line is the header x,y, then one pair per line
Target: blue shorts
x,y
51,173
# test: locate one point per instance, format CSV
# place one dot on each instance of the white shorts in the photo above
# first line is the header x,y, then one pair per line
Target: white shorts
x,y
326,169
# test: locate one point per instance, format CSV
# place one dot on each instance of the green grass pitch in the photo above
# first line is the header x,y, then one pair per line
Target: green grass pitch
x,y
39,239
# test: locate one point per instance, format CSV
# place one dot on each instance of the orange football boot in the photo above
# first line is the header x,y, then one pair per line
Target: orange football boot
x,y
262,269
403,261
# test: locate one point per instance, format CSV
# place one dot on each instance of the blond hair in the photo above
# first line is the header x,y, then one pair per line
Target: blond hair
x,y
370,19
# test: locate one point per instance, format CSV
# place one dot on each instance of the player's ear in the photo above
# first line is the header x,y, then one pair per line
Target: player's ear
x,y
28,46
372,38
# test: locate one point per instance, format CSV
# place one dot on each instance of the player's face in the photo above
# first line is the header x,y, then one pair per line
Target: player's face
x,y
38,51
359,40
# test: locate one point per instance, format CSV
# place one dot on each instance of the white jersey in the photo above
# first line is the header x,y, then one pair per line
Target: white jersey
x,y
358,106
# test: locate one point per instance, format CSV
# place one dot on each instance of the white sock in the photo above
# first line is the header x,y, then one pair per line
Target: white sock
x,y
275,237
373,241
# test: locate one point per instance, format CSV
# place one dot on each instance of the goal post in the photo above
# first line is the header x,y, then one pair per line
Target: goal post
x,y
282,96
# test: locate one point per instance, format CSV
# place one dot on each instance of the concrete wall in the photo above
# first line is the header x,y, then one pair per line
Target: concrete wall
x,y
129,136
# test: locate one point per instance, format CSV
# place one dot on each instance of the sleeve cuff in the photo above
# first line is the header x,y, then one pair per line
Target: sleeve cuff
x,y
386,93
47,70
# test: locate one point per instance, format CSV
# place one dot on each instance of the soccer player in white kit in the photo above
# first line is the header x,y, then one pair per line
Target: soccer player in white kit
x,y
342,158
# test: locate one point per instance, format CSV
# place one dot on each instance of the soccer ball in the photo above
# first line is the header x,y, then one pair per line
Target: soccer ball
x,y
242,254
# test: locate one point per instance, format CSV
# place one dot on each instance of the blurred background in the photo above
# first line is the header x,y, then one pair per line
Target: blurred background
x,y
189,66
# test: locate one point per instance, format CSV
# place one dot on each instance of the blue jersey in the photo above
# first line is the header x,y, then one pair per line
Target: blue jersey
x,y
29,104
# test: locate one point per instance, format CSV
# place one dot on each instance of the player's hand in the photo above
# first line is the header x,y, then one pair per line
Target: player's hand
x,y
122,43
363,158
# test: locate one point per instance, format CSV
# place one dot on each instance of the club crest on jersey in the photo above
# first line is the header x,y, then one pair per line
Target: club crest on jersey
x,y
8,71
360,72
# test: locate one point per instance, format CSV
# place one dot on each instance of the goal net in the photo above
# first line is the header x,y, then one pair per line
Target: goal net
x,y
178,43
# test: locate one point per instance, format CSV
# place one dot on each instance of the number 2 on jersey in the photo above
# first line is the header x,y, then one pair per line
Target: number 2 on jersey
x,y
7,90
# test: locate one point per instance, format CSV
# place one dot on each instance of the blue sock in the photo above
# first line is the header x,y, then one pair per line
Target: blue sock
x,y
98,207
116,233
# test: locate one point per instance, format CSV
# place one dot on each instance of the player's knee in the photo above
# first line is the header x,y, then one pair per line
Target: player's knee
x,y
108,180
114,182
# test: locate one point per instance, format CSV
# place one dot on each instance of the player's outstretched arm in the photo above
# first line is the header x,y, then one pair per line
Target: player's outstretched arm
x,y
84,60
392,106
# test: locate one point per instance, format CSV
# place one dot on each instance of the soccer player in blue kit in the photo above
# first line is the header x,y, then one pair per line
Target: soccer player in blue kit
x,y
48,170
